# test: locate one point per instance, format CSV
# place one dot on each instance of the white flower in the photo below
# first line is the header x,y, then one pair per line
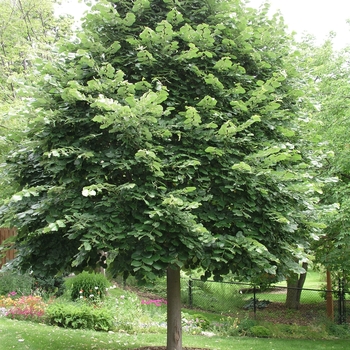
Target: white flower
x,y
96,287
91,295
122,297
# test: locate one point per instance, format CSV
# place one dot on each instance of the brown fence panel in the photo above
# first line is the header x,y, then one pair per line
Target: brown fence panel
x,y
4,234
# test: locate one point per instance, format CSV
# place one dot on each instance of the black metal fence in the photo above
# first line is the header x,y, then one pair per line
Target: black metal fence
x,y
264,303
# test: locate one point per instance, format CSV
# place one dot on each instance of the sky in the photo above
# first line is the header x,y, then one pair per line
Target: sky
x,y
316,17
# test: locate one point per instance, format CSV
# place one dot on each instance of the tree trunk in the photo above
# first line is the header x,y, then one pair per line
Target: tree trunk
x,y
174,330
329,296
295,284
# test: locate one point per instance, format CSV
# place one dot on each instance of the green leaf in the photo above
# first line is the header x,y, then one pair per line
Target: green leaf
x,y
242,167
214,150
87,246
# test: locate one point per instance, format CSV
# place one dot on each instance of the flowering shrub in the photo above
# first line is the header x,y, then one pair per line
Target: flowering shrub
x,y
88,286
6,302
27,308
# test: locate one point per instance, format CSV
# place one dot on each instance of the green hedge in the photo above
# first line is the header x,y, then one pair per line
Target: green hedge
x,y
80,316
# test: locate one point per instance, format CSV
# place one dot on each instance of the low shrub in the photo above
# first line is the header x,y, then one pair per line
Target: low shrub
x,y
195,323
245,325
234,326
88,286
260,332
259,304
227,326
49,286
80,316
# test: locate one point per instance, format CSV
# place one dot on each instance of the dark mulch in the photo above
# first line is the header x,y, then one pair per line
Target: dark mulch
x,y
306,315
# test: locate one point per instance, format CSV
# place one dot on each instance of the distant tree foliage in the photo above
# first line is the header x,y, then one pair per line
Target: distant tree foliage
x,y
28,30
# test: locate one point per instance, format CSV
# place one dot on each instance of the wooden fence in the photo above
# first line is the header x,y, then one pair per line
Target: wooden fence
x,y
4,234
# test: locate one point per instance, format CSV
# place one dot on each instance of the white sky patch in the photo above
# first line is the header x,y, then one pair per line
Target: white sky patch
x,y
74,8
316,17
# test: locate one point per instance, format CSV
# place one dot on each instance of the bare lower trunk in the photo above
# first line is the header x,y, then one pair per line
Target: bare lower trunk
x,y
329,296
174,330
294,288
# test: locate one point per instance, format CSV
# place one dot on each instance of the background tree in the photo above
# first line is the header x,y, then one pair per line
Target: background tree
x,y
307,63
325,77
166,134
28,30
330,70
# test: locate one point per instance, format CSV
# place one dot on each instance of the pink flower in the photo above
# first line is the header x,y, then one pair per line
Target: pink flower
x,y
156,302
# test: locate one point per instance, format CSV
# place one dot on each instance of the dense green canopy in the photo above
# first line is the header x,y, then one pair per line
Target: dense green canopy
x,y
165,133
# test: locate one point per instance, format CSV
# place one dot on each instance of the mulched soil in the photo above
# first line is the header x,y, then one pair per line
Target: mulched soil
x,y
307,314
277,313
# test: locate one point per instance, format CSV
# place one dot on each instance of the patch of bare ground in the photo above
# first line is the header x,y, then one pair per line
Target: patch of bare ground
x,y
307,314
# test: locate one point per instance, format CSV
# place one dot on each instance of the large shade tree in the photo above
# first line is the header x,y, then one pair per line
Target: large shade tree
x,y
165,134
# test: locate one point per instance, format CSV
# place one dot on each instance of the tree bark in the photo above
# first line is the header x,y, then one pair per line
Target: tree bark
x,y
295,284
329,296
174,330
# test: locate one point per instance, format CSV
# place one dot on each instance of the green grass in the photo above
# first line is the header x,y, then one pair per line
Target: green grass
x,y
226,297
307,297
26,335
314,280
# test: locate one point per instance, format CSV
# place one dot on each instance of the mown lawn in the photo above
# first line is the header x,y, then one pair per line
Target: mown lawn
x,y
314,280
32,336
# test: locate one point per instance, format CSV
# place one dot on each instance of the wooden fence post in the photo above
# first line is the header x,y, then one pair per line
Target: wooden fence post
x,y
6,233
